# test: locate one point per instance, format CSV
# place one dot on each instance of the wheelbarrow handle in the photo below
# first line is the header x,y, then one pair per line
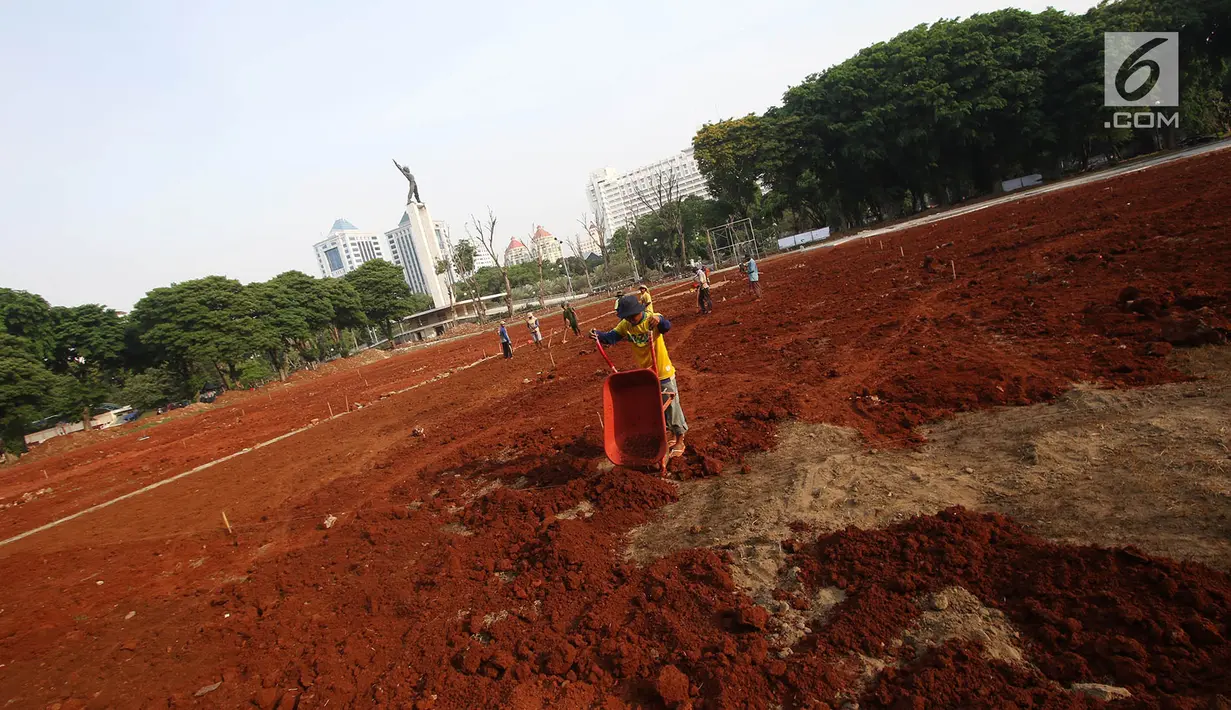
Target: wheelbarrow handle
x,y
653,352
603,352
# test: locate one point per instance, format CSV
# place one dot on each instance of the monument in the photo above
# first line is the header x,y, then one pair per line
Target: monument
x,y
417,245
413,194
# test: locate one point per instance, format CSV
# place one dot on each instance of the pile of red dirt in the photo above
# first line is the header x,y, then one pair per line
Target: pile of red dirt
x,y
1089,615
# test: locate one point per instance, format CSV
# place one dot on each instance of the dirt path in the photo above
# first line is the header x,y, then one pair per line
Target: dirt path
x,y
1148,467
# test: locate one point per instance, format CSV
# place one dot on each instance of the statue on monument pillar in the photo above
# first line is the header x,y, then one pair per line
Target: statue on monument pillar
x,y
413,194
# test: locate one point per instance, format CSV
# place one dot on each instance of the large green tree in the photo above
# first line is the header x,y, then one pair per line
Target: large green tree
x,y
205,324
27,315
345,304
289,311
27,389
944,112
89,348
384,294
729,156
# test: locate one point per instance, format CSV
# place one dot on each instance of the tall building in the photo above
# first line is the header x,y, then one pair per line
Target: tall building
x,y
517,253
346,248
544,242
415,245
481,258
615,198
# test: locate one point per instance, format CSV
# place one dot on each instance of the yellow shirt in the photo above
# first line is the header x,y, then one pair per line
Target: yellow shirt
x,y
639,336
647,299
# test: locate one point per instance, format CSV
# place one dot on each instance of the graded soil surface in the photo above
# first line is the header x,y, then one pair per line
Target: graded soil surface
x,y
456,538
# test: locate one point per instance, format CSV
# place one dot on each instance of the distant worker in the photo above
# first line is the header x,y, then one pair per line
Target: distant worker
x,y
643,295
644,328
570,318
702,283
506,343
754,277
532,324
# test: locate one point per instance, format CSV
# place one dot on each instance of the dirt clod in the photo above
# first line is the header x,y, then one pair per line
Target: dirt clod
x,y
672,686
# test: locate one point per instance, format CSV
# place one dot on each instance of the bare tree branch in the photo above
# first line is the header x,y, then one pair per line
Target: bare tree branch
x,y
599,235
486,234
665,191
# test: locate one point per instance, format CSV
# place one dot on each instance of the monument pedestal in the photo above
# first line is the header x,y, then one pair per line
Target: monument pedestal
x,y
419,249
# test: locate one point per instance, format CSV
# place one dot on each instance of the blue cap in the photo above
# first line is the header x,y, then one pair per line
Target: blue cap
x,y
629,306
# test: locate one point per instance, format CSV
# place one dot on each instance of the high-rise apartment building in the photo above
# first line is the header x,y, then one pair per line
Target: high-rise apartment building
x,y
517,253
619,198
545,244
347,248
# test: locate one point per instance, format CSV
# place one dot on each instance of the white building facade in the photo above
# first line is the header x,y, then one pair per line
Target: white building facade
x,y
614,197
545,243
517,253
347,248
415,245
481,258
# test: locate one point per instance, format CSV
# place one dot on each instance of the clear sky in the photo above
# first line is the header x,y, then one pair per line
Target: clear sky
x,y
143,143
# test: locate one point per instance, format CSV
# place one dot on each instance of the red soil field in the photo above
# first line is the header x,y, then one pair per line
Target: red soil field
x,y
480,563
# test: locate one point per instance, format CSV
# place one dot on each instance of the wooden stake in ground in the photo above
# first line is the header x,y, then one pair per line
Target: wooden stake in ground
x,y
348,403
902,250
227,523
954,267
330,409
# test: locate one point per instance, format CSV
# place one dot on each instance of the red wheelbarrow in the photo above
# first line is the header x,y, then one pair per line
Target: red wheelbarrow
x,y
634,419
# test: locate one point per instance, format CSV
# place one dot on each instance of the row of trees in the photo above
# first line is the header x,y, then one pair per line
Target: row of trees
x,y
942,112
62,362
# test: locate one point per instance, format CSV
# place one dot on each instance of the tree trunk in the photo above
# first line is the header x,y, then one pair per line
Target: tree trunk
x,y
480,309
508,291
679,227
541,305
222,376
85,418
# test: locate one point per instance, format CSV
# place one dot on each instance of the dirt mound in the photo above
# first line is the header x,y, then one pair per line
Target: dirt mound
x,y
1156,627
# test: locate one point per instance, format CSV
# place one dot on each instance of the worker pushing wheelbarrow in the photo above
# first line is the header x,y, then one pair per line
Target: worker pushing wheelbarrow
x,y
643,423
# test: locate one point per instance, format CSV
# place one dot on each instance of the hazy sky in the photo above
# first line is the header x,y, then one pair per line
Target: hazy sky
x,y
143,143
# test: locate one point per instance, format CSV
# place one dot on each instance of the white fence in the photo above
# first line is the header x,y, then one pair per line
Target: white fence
x,y
101,421
797,240
1019,183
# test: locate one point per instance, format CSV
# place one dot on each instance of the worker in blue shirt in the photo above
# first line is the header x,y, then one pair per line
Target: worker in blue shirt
x,y
506,344
754,277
